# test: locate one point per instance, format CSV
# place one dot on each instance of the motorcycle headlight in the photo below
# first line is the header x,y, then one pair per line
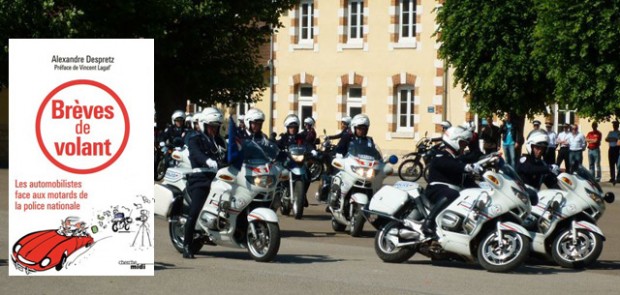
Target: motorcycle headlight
x,y
45,262
260,180
298,158
366,173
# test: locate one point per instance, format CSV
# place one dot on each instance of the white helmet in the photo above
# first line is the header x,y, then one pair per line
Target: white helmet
x,y
309,121
346,120
538,137
456,134
211,116
253,115
178,114
291,119
188,118
358,120
445,125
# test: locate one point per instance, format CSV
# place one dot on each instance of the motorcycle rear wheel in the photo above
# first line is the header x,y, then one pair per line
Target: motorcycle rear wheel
x,y
427,170
410,170
588,248
504,257
265,245
386,250
298,205
176,230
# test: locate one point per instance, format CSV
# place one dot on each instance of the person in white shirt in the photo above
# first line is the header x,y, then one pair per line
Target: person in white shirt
x,y
576,145
549,156
614,151
563,143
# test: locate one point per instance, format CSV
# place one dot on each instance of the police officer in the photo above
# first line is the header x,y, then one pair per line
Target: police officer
x,y
206,154
446,175
532,168
253,120
309,134
344,126
293,137
175,134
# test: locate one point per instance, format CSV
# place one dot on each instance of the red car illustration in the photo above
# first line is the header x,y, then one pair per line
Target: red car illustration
x,y
42,250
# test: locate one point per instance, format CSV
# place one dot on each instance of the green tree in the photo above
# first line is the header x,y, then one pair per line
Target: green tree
x,y
205,50
580,43
489,44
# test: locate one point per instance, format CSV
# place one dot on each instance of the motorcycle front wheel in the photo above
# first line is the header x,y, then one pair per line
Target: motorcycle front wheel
x,y
316,169
298,204
427,170
264,246
385,248
579,252
503,255
176,230
410,170
357,221
160,169
284,199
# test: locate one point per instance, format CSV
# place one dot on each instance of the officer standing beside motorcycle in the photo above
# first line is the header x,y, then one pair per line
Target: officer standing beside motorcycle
x,y
206,150
446,175
532,168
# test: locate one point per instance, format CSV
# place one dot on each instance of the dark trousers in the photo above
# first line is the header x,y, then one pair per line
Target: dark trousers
x,y
441,196
549,156
612,156
563,157
199,196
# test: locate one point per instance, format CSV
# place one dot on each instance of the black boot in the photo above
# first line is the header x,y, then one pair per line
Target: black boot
x,y
187,254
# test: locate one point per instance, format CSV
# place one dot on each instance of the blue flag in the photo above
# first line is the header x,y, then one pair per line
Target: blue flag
x,y
234,142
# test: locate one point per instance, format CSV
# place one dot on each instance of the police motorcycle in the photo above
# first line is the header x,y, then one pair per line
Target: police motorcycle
x,y
291,194
237,211
174,181
164,158
315,162
563,223
361,173
482,224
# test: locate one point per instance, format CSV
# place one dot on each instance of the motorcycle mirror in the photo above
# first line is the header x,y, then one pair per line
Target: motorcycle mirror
x,y
609,197
393,159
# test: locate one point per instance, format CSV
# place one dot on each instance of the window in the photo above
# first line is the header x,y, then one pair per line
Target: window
x,y
306,14
405,107
407,20
354,101
565,116
242,108
305,101
355,20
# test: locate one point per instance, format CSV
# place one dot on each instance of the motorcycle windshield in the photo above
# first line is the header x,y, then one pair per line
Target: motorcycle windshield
x,y
296,149
511,174
364,149
259,153
588,176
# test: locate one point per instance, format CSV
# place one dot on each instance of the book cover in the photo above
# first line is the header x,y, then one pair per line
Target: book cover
x,y
80,177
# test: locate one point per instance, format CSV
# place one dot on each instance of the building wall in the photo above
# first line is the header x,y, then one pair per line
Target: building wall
x,y
378,65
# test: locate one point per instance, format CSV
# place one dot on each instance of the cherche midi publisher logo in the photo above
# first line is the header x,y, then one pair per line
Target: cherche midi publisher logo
x,y
82,126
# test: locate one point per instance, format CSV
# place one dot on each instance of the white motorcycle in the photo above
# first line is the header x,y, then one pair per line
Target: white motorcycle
x,y
174,181
482,224
361,174
563,223
237,211
291,195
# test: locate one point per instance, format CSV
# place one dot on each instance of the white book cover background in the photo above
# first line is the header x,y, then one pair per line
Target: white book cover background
x,y
80,119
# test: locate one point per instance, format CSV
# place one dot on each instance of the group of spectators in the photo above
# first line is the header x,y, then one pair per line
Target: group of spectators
x,y
565,147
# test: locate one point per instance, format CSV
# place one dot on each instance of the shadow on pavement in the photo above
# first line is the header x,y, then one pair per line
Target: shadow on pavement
x,y
4,262
280,258
167,266
304,234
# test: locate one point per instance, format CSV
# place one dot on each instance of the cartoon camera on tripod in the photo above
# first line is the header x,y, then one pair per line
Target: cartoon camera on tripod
x,y
144,216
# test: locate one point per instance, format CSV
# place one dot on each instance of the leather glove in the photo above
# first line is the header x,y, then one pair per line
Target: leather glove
x,y
212,164
555,169
314,153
